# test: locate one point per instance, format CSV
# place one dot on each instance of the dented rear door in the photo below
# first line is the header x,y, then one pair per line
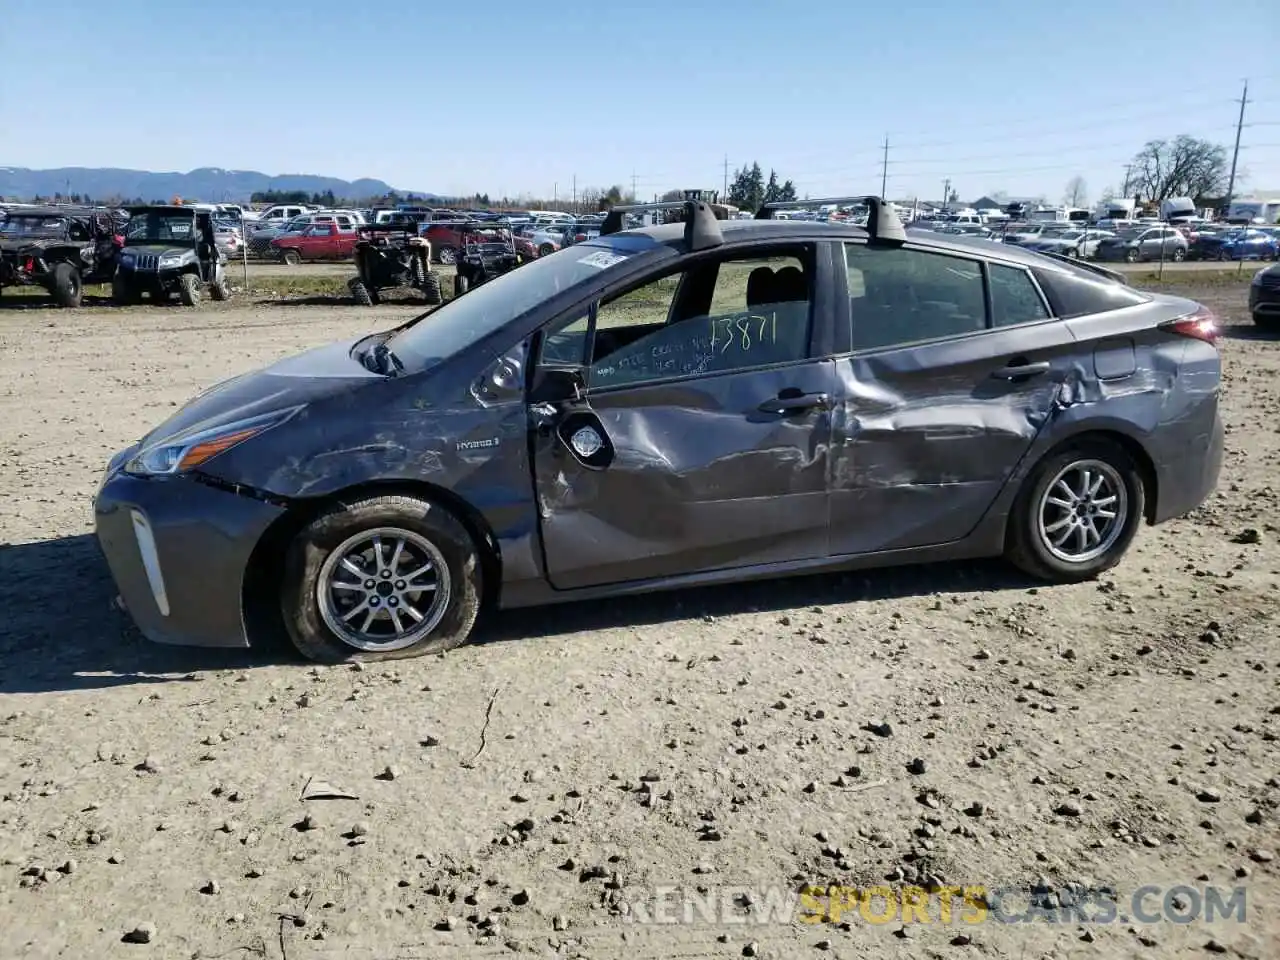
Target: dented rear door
x,y
926,434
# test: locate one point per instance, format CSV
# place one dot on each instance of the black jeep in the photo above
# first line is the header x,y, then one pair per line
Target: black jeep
x,y
392,255
488,251
167,250
59,248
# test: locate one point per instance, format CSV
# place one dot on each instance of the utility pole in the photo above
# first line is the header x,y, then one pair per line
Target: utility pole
x,y
1235,154
946,195
1128,180
884,168
634,197
726,178
575,193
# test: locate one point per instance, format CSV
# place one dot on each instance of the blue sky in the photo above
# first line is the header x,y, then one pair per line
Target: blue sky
x,y
522,97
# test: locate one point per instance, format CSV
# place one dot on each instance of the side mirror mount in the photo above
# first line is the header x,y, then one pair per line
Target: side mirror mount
x,y
558,384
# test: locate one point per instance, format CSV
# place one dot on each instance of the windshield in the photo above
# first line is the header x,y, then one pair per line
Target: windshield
x,y
494,304
31,226
159,228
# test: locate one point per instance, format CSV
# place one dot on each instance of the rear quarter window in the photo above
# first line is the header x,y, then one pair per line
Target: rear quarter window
x,y
1078,293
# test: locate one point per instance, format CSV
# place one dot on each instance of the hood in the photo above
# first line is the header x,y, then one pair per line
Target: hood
x,y
295,381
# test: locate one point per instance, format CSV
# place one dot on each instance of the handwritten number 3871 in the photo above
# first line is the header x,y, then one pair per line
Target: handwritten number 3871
x,y
739,329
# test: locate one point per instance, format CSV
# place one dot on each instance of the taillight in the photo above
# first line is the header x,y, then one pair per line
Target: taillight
x,y
30,265
1202,325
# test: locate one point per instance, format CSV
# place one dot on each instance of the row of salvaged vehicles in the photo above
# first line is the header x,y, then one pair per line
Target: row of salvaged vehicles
x,y
157,251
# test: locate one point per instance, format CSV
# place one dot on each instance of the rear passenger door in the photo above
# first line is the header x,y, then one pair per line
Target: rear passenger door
x,y
953,369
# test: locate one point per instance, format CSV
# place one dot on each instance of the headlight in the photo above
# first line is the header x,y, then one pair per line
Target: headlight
x,y
171,261
184,452
1257,277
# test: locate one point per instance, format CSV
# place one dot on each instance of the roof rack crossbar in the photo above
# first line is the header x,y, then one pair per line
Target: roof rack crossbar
x,y
701,229
882,221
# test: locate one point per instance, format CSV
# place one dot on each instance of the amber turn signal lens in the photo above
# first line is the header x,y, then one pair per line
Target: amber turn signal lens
x,y
211,448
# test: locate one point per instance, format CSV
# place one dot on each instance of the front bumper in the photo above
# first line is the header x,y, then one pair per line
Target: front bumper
x,y
1264,301
178,550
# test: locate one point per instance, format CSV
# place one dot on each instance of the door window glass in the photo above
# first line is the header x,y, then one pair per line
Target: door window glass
x,y
1014,297
901,296
714,317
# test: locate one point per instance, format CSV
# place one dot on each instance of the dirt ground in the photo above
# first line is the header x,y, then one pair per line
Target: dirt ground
x,y
546,789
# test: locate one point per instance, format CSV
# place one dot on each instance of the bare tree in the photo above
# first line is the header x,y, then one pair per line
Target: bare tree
x,y
1077,192
1182,167
1108,194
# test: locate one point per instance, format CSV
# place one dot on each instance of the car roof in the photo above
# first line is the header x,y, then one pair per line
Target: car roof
x,y
782,230
56,211
165,208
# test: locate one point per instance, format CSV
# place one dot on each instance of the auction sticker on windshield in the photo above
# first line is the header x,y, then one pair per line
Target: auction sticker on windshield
x,y
602,259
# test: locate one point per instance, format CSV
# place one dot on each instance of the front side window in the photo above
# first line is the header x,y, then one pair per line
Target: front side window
x,y
900,296
715,317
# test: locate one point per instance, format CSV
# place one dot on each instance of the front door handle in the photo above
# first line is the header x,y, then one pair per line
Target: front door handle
x,y
1016,371
795,403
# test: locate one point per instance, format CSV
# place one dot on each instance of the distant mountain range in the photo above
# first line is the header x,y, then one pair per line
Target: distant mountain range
x,y
207,184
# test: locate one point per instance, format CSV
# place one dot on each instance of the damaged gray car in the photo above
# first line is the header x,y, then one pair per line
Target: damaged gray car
x,y
691,403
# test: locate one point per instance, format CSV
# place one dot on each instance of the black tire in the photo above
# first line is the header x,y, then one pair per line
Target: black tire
x,y
307,555
1268,323
221,290
1179,255
447,255
460,286
1132,256
431,288
65,286
546,250
1025,546
122,294
292,257
360,293
418,267
189,289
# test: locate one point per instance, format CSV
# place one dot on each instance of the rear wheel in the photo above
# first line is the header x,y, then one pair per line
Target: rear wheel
x,y
447,255
65,286
1077,512
360,293
460,286
220,289
1179,255
381,579
546,250
431,288
1132,256
189,289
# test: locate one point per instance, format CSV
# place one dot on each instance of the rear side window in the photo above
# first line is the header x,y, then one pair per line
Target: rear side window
x,y
1075,293
903,296
1014,297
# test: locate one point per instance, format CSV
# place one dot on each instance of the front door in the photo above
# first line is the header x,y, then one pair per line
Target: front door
x,y
700,441
939,405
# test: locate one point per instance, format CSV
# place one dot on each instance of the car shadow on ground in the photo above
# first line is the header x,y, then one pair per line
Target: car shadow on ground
x,y
34,302
64,633
1248,331
339,300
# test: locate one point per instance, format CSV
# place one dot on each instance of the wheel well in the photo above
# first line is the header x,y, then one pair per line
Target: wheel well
x,y
1137,453
260,591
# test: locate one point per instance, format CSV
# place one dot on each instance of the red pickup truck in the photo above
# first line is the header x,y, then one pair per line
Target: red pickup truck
x,y
320,241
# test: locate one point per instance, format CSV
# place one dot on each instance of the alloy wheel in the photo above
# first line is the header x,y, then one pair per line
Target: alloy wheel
x,y
1083,511
383,589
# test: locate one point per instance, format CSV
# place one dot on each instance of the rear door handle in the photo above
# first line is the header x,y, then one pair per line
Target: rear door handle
x,y
795,404
1016,371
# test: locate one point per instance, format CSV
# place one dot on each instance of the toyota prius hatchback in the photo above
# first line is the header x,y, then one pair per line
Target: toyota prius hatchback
x,y
698,402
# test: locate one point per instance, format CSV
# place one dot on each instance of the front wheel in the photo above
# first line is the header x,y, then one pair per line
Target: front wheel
x,y
1179,255
460,286
220,289
431,288
360,293
1132,256
65,286
447,255
1077,513
189,289
292,258
381,579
